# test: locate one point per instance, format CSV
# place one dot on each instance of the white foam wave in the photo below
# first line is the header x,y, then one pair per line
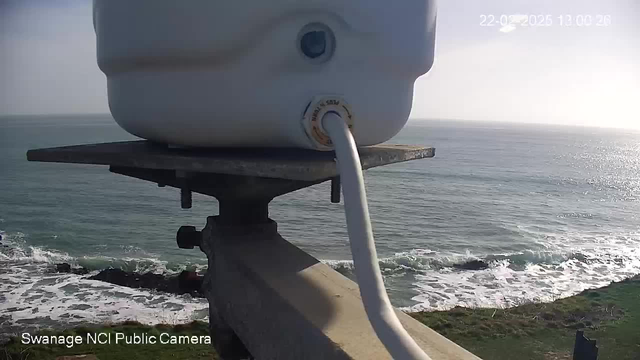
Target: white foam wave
x,y
423,260
138,265
502,286
31,299
531,276
14,249
53,298
558,271
31,296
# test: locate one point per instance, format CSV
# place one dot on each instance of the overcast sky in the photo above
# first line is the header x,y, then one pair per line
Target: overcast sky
x,y
582,75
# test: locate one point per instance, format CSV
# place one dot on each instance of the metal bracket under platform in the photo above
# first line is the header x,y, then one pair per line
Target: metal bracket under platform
x,y
267,297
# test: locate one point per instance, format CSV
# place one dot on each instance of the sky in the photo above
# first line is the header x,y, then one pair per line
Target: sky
x,y
558,74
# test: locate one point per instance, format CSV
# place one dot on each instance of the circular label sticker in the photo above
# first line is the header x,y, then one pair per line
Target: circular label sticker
x,y
315,112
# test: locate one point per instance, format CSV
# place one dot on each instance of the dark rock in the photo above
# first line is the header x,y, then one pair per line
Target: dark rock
x,y
187,282
63,268
132,280
66,268
472,265
80,271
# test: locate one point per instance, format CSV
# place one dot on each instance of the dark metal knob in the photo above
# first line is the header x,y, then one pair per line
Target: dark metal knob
x,y
188,237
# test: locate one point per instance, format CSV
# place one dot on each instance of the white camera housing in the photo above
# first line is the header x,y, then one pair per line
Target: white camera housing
x,y
242,73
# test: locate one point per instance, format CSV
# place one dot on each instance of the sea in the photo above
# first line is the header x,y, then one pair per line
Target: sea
x,y
553,210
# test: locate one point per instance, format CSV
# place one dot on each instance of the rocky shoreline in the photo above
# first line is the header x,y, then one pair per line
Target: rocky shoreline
x,y
187,282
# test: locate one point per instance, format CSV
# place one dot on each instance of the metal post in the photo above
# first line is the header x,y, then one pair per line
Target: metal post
x,y
244,211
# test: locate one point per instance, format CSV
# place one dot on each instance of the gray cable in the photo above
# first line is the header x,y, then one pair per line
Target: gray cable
x,y
374,295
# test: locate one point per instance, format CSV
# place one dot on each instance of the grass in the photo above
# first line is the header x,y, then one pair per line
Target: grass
x,y
535,331
540,331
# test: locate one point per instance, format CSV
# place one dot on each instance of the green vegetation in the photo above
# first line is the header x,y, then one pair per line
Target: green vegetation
x,y
610,315
535,331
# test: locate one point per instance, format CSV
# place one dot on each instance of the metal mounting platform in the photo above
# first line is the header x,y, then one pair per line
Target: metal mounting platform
x,y
236,177
267,298
279,163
